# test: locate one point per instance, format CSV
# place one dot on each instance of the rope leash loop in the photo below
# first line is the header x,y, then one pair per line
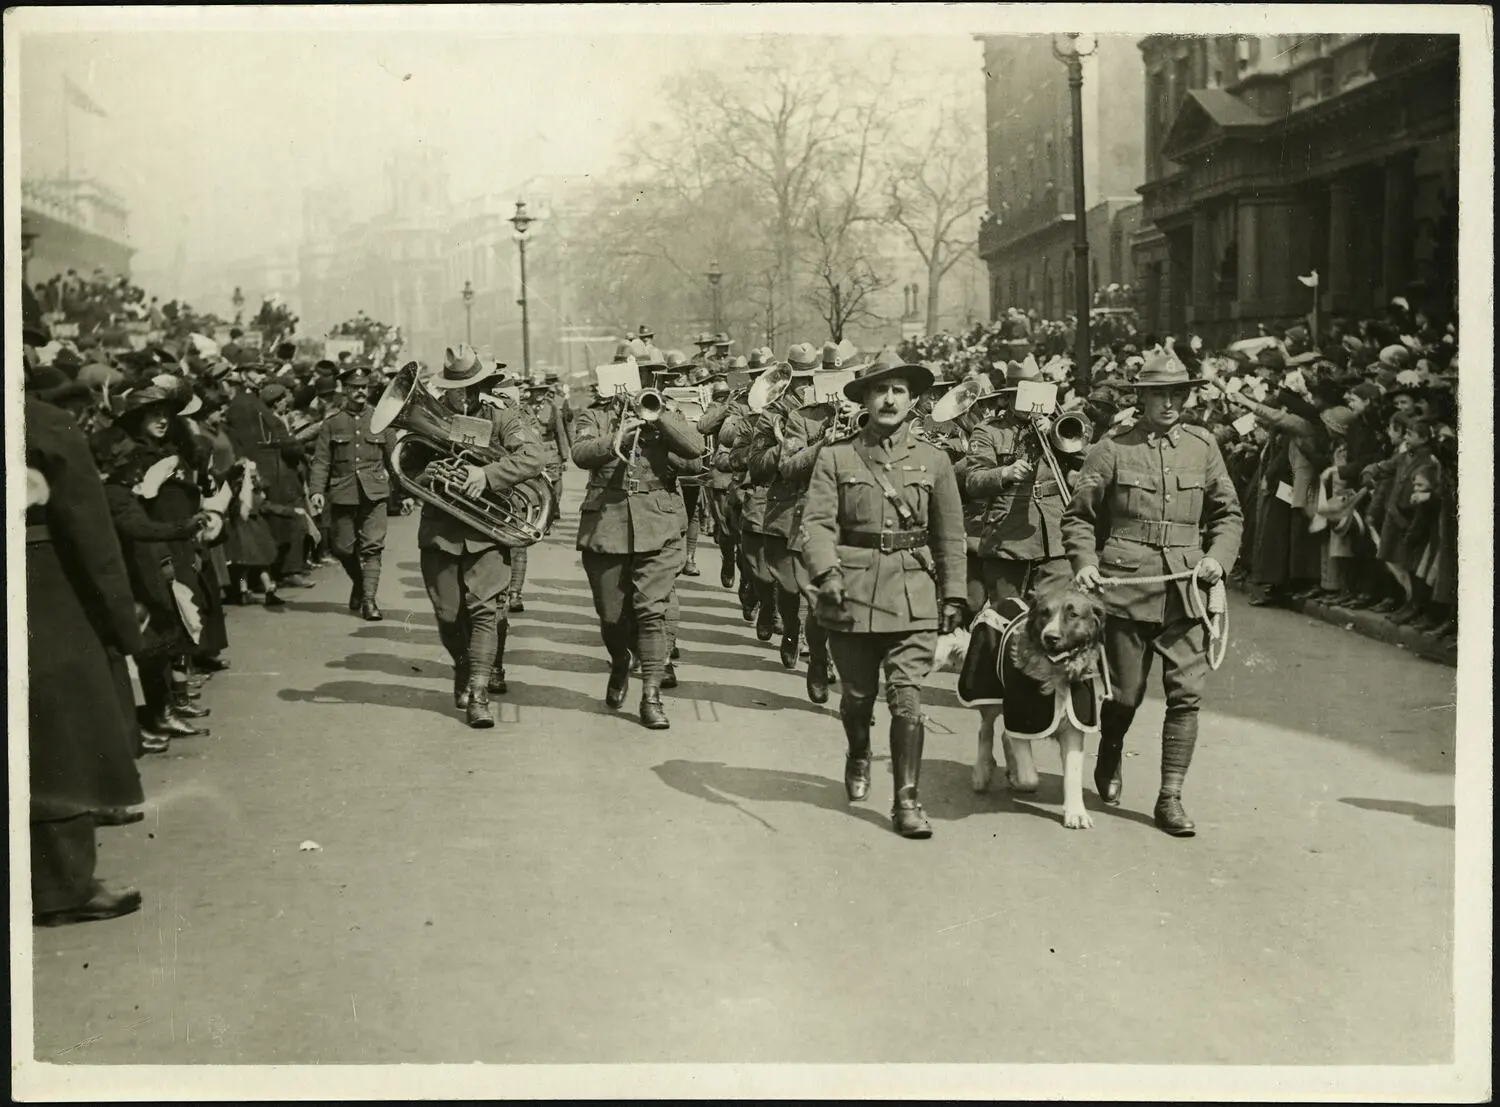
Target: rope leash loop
x,y
1213,612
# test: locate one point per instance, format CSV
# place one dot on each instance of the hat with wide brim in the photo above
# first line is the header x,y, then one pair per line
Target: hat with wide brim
x,y
889,365
146,399
1162,371
464,368
803,359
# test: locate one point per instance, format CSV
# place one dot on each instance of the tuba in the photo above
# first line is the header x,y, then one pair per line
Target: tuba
x,y
429,459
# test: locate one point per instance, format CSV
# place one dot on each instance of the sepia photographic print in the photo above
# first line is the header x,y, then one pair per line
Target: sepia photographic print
x,y
796,551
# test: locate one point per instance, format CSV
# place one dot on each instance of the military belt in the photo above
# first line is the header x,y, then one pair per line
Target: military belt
x,y
635,486
886,541
1158,533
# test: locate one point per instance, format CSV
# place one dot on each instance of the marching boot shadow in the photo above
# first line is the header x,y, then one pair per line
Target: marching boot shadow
x,y
715,782
1439,815
688,614
749,699
347,692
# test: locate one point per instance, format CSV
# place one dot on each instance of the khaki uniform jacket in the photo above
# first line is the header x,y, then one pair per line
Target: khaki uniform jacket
x,y
785,471
1022,520
1147,504
349,459
554,432
887,592
710,426
633,508
523,460
739,435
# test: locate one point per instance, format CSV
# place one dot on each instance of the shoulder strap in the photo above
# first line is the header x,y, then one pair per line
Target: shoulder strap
x,y
907,517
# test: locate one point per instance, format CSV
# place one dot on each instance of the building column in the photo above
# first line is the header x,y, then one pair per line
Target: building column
x,y
1395,237
1202,290
1340,238
1247,235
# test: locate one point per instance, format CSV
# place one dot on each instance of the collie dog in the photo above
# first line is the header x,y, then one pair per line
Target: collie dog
x,y
1037,668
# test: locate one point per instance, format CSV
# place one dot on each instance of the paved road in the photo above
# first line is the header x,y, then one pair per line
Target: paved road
x,y
570,887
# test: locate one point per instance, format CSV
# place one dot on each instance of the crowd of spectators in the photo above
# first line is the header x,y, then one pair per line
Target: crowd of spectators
x,y
1343,448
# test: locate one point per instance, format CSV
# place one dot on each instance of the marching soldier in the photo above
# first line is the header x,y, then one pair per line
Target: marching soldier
x,y
466,572
1151,500
350,477
721,490
692,491
1021,541
804,434
757,587
783,500
630,534
884,543
542,400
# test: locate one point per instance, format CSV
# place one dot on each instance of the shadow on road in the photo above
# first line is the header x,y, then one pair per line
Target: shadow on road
x,y
341,692
1429,814
689,615
715,782
392,665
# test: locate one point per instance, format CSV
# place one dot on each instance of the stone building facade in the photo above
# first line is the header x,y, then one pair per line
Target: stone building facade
x,y
1026,240
1269,157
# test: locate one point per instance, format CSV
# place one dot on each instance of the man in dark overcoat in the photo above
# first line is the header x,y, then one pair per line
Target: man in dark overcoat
x,y
79,608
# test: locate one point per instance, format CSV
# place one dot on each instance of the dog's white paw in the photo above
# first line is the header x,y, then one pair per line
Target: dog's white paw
x,y
984,771
1078,820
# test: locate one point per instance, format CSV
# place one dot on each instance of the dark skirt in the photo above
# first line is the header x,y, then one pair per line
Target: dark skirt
x,y
81,739
249,544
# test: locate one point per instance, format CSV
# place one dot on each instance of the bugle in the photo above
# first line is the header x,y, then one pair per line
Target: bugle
x,y
769,387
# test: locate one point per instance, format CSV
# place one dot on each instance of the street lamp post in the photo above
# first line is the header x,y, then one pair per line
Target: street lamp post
x,y
1066,48
520,221
238,300
715,275
468,295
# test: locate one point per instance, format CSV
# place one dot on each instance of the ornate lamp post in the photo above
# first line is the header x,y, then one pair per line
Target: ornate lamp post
x,y
1066,48
520,221
468,295
715,275
238,300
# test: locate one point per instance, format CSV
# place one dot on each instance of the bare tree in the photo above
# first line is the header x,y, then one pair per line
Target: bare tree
x,y
934,188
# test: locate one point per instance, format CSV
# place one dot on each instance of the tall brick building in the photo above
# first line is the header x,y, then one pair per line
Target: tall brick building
x,y
1027,241
1271,156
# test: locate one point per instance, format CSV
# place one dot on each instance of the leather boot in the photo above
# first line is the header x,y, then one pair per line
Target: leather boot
x,y
857,758
817,679
1114,721
153,740
498,686
184,707
1179,735
479,714
690,568
460,686
726,566
907,816
669,676
369,575
369,611
619,666
748,601
117,816
103,903
356,582
789,652
653,714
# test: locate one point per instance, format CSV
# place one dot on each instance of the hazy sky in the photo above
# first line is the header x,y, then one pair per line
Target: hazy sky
x,y
212,136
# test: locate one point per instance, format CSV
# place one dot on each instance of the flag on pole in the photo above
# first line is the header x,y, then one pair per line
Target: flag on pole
x,y
1311,280
77,98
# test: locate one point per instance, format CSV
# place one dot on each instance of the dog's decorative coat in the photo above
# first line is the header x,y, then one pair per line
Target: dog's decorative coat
x,y
990,675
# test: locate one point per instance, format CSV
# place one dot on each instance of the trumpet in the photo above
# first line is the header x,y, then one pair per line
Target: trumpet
x,y
646,406
1069,434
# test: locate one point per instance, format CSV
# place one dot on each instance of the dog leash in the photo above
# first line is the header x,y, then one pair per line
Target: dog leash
x,y
1212,613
